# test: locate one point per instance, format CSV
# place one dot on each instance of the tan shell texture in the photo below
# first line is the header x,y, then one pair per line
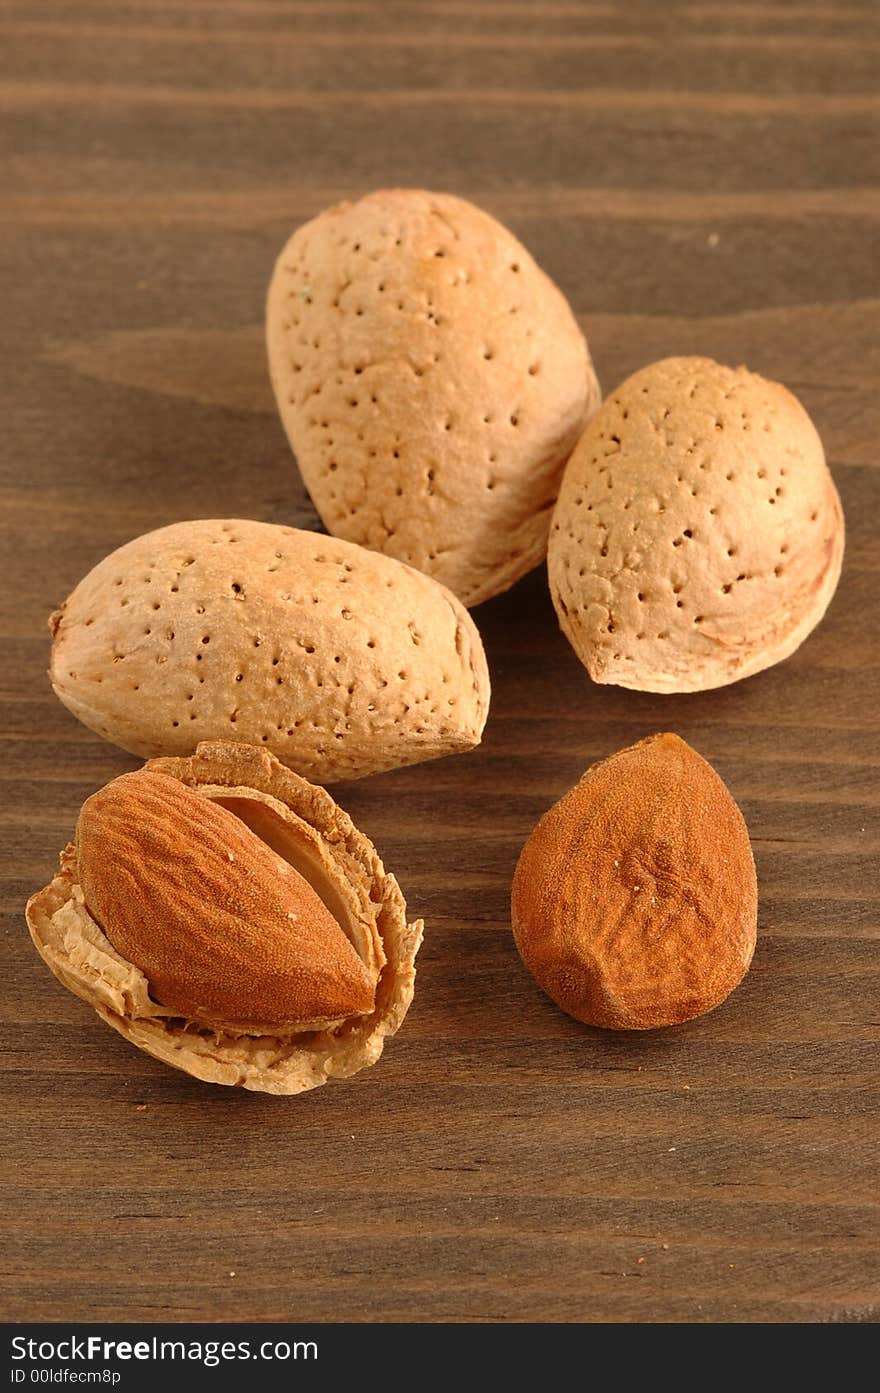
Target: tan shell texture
x,y
698,536
432,382
339,661
81,956
635,899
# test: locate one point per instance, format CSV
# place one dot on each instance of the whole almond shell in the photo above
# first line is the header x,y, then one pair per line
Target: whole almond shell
x,y
698,536
635,899
432,381
337,660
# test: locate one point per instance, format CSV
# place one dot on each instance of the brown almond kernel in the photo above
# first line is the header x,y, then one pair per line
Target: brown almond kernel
x,y
227,933
635,898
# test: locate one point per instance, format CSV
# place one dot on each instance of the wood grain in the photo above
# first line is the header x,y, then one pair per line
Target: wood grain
x,y
698,177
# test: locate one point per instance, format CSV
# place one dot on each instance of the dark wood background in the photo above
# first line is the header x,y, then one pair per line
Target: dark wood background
x,y
696,176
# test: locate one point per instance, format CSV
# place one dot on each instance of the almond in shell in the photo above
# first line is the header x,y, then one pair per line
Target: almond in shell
x,y
339,661
432,382
227,917
698,536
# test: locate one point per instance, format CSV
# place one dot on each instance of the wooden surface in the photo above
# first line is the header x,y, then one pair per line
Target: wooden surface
x,y
696,176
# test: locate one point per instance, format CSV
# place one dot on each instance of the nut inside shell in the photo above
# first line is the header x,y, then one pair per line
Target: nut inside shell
x,y
301,825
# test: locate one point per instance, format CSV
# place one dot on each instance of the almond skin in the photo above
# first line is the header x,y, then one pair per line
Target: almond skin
x,y
227,933
635,898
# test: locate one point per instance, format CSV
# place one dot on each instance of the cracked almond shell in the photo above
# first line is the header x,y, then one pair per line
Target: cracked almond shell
x,y
339,661
212,933
432,381
698,536
635,899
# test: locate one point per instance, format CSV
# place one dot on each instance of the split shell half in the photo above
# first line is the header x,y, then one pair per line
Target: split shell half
x,y
303,825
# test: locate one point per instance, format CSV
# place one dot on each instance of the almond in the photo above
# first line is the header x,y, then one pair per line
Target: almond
x,y
228,918
698,536
227,933
339,661
635,898
432,382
